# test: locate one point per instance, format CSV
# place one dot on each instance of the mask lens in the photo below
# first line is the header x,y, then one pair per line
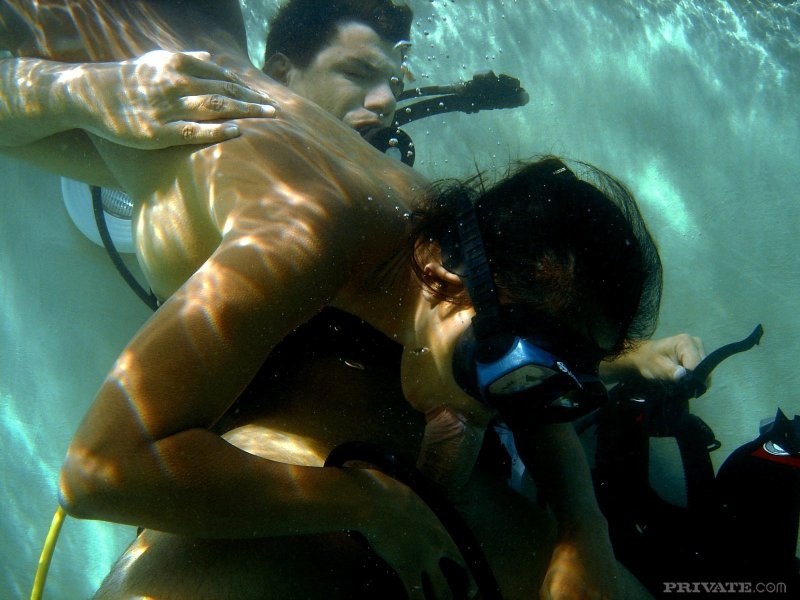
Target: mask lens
x,y
524,378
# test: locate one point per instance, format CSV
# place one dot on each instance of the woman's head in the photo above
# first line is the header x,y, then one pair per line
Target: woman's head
x,y
575,252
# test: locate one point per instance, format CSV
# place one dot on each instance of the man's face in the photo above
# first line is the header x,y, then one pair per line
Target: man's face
x,y
356,78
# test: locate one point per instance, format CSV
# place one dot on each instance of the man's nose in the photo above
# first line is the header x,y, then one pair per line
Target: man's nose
x,y
381,101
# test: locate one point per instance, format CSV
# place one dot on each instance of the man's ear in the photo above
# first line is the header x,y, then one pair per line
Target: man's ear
x,y
278,66
436,277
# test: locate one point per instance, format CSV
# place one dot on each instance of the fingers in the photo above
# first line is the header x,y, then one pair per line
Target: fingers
x,y
208,107
458,578
201,66
689,351
198,55
672,358
429,587
193,110
450,579
182,133
205,84
435,585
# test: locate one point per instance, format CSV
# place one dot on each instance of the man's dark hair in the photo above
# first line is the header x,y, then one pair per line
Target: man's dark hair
x,y
301,28
573,249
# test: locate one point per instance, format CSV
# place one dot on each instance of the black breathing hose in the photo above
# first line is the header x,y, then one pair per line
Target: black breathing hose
x,y
99,216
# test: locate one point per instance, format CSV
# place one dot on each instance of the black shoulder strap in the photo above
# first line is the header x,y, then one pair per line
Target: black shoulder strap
x,y
146,296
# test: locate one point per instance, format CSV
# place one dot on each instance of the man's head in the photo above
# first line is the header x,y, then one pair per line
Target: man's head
x,y
341,54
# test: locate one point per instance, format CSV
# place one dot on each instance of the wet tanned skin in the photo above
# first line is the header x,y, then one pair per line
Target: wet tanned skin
x,y
246,240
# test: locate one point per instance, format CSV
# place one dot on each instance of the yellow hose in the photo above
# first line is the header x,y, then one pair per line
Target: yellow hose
x,y
47,554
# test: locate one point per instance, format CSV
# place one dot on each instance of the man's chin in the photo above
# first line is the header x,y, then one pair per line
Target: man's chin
x,y
368,132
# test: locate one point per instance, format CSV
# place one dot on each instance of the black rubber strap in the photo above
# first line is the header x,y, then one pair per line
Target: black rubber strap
x,y
710,362
485,91
477,277
100,218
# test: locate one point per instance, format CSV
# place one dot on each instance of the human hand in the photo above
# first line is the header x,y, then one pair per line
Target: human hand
x,y
160,99
669,359
582,566
406,533
665,359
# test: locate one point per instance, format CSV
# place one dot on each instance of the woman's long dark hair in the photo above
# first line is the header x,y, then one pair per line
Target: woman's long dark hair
x,y
574,249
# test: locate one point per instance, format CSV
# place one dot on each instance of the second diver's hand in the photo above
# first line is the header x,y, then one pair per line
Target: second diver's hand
x,y
158,100
405,532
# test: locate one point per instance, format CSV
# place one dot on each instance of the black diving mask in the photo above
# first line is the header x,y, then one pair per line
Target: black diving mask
x,y
509,357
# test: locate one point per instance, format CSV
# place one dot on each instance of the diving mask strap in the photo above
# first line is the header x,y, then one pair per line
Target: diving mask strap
x,y
477,276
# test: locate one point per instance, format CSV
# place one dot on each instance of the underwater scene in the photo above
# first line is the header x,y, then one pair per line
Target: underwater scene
x,y
691,104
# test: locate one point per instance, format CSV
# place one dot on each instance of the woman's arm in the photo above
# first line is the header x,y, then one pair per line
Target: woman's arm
x,y
583,560
582,564
158,100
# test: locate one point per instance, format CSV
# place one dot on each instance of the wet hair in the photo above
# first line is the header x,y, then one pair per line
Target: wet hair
x,y
575,250
302,28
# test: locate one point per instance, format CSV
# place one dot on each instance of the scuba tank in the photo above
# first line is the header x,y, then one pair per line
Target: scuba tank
x,y
757,491
740,525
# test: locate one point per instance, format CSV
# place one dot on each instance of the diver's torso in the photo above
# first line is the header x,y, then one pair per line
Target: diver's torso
x,y
303,162
334,380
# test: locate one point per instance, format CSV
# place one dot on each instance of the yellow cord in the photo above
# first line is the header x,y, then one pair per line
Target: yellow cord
x,y
47,554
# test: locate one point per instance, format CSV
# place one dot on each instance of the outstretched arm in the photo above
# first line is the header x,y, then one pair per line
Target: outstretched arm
x,y
158,100
582,564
